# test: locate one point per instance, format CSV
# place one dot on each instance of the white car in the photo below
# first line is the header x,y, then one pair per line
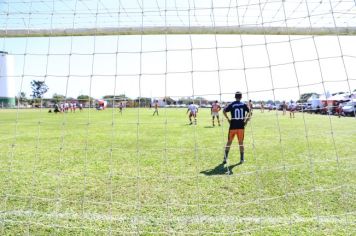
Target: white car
x,y
349,109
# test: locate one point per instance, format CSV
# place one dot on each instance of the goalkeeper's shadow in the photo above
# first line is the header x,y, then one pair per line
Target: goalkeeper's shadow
x,y
220,170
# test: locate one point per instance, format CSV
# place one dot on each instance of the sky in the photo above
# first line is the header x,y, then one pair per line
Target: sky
x,y
41,14
272,67
191,66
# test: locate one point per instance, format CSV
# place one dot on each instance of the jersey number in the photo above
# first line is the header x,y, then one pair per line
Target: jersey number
x,y
239,114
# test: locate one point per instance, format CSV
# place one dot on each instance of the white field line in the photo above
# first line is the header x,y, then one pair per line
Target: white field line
x,y
194,219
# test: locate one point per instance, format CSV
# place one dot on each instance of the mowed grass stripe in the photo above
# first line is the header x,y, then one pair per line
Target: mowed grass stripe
x,y
179,177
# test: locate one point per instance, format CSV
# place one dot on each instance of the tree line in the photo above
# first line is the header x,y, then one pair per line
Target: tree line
x,y
39,88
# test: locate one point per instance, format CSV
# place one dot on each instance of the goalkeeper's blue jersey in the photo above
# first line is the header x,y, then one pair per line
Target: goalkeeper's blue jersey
x,y
238,112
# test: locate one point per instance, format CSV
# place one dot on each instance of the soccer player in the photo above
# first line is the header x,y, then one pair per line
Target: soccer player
x,y
62,107
56,108
66,107
292,108
240,114
250,106
156,108
215,108
262,107
193,110
284,107
339,110
120,107
74,106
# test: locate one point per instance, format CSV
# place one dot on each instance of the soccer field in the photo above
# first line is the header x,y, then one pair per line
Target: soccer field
x,y
100,172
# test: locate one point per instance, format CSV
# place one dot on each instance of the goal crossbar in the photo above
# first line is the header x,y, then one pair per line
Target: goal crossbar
x,y
177,30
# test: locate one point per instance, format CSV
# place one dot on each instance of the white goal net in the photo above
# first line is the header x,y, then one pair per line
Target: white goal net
x,y
107,148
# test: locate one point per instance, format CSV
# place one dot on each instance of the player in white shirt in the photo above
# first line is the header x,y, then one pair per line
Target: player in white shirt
x,y
66,106
71,107
74,105
193,110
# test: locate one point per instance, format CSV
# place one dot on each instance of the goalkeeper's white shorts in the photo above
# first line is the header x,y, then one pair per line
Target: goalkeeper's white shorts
x,y
215,114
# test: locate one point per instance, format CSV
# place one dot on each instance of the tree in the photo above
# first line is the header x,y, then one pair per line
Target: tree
x,y
196,100
200,101
84,99
142,102
305,96
57,98
114,99
121,97
21,98
169,100
38,88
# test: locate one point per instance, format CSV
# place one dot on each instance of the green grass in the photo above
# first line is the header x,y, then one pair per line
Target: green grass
x,y
102,173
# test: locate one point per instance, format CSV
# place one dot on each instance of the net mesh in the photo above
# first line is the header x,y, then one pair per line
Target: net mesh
x,y
126,171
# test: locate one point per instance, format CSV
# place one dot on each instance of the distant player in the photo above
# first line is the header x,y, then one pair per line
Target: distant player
x,y
56,108
66,107
74,106
250,106
284,107
339,110
262,107
120,107
292,108
215,108
193,110
70,107
240,114
156,108
62,107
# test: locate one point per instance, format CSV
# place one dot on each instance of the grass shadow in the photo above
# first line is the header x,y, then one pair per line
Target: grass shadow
x,y
220,170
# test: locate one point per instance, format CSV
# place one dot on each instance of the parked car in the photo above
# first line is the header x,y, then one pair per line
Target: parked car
x,y
349,108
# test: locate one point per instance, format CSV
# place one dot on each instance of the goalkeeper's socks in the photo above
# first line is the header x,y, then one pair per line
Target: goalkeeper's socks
x,y
225,156
242,159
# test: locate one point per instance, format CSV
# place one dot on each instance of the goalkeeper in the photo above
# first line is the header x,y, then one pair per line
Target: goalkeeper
x,y
240,115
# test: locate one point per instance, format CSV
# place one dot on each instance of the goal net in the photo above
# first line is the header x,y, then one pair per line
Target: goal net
x,y
98,140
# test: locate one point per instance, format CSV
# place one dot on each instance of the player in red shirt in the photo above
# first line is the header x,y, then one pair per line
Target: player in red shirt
x,y
215,108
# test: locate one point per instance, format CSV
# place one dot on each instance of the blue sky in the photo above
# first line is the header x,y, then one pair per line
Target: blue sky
x,y
49,59
196,65
105,13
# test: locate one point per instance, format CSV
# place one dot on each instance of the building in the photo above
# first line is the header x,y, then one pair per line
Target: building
x,y
7,85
